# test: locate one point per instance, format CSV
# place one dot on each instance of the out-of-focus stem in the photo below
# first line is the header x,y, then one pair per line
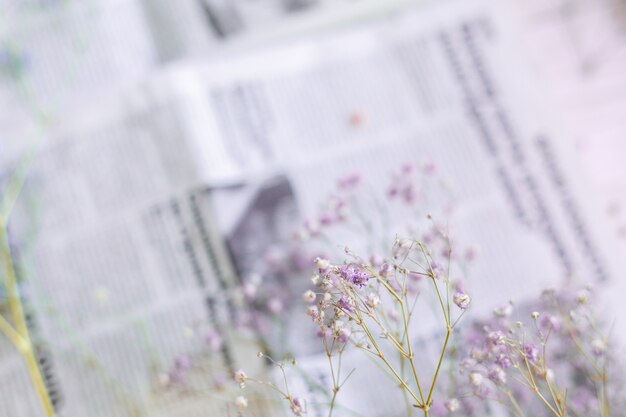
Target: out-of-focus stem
x,y
24,345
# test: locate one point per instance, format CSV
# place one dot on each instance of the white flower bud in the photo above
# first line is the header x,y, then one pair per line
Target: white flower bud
x,y
241,402
372,300
476,379
240,377
309,296
322,264
452,405
598,347
504,311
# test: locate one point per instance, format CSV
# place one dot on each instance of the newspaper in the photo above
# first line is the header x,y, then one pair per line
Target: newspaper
x,y
59,55
135,206
578,46
115,233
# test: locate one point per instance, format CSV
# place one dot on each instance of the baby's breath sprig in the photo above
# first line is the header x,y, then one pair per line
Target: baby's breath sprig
x,y
371,306
554,361
297,404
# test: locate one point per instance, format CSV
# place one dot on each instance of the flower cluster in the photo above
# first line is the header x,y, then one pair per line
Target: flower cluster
x,y
297,405
552,358
370,305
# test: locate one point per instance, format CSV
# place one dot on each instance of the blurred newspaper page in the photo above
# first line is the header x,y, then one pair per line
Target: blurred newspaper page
x,y
451,84
126,274
580,48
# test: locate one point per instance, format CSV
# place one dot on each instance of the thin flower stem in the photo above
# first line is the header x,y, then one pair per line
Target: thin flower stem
x,y
555,397
443,308
271,385
515,404
14,337
17,311
537,391
405,395
382,357
448,275
443,353
336,385
434,279
411,354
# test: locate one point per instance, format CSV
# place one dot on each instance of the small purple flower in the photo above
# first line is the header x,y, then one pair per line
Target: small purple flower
x,y
504,361
385,270
316,314
298,406
436,269
551,323
354,274
462,300
324,332
531,352
240,377
213,340
346,303
249,290
495,338
497,375
327,218
182,362
275,305
343,335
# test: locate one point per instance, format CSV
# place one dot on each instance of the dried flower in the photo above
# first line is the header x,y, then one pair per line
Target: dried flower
x,y
316,314
346,303
476,379
298,406
354,274
497,375
241,402
598,347
322,264
452,405
343,335
372,300
309,296
240,377
531,352
462,300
